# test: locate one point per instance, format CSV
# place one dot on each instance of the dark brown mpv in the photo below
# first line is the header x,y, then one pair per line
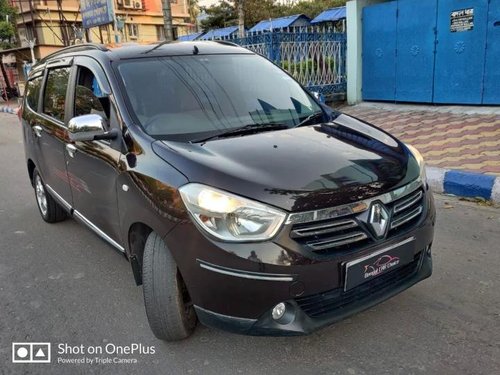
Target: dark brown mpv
x,y
238,198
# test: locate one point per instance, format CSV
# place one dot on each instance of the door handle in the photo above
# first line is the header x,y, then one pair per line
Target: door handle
x,y
37,129
71,149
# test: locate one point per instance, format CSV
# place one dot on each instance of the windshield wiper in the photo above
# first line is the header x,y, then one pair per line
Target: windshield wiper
x,y
250,128
309,118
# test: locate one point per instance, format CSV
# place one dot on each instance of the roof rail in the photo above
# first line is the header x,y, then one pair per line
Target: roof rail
x,y
76,48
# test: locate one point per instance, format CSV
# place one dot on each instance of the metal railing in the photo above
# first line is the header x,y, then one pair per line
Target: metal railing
x,y
315,56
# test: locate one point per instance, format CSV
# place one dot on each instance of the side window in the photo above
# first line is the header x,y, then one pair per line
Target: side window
x,y
88,95
33,93
54,97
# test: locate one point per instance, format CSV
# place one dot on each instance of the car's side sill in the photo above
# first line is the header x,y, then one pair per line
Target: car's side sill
x,y
99,232
84,220
246,274
60,199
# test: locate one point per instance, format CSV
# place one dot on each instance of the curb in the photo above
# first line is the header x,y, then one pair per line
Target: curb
x,y
10,110
464,184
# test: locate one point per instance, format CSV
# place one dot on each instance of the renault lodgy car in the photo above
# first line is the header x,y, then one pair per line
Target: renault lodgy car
x,y
239,200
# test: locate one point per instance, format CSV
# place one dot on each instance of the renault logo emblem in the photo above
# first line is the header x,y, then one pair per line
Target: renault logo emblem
x,y
378,219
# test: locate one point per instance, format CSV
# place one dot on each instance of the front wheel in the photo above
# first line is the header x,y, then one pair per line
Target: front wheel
x,y
169,308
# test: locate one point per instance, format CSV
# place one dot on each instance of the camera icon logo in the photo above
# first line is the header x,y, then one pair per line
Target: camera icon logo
x,y
31,352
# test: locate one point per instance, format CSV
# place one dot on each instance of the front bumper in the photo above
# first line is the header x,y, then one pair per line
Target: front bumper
x,y
301,323
234,287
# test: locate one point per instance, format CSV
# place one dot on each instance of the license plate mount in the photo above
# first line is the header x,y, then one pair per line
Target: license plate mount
x,y
361,270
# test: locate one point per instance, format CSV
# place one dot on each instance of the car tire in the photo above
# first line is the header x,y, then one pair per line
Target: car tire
x,y
169,309
50,210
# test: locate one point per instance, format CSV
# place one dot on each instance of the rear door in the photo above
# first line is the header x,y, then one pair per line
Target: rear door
x,y
49,127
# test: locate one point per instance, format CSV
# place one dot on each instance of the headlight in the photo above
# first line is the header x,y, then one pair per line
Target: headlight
x,y
420,160
229,217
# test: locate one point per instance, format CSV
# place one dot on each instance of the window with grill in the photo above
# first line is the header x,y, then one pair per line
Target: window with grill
x,y
133,30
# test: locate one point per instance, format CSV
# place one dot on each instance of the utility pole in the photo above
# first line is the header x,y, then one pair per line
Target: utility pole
x,y
241,18
167,20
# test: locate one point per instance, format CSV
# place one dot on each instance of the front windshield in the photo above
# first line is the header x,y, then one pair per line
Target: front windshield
x,y
183,98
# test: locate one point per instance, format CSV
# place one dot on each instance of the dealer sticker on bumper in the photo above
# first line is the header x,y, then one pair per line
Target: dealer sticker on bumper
x,y
378,263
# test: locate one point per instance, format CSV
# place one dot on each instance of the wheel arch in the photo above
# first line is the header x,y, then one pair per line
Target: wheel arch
x,y
138,233
31,169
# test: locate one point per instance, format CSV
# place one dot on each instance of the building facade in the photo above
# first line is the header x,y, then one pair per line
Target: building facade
x,y
53,24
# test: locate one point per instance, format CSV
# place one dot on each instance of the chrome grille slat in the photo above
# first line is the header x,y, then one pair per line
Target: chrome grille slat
x,y
406,217
408,202
338,240
325,228
338,230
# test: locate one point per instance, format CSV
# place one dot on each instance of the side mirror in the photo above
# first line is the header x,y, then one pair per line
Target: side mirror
x,y
89,128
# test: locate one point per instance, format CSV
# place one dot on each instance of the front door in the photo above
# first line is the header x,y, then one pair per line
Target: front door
x,y
93,165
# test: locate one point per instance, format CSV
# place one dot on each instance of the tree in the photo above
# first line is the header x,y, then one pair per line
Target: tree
x,y
241,18
228,12
167,20
193,10
311,8
256,11
219,15
225,13
7,21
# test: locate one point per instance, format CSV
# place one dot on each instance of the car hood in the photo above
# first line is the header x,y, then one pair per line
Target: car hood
x,y
298,169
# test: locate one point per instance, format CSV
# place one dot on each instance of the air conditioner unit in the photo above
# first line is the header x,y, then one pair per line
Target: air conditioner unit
x,y
128,3
137,4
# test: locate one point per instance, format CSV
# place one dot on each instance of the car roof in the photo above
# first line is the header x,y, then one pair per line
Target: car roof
x,y
102,52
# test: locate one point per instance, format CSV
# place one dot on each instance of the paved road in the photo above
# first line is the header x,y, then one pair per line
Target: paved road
x,y
62,284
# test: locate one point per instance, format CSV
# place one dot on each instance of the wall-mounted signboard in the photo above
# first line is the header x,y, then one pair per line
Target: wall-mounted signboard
x,y
462,20
96,12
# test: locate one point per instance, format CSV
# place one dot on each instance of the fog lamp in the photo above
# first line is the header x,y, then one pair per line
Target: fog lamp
x,y
278,311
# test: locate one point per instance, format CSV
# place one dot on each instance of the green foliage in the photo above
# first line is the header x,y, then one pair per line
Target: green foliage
x,y
256,11
7,28
224,13
219,15
311,8
308,65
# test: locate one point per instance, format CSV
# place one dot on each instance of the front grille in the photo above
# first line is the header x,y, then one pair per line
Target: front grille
x,y
351,233
406,209
323,235
318,305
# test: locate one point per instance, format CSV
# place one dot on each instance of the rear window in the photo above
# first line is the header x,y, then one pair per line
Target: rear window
x,y
54,98
33,93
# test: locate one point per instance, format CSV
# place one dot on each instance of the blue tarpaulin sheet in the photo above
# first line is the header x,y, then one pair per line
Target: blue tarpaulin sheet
x,y
280,23
330,15
219,33
189,37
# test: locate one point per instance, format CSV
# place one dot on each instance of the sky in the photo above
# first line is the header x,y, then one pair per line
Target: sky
x,y
207,2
